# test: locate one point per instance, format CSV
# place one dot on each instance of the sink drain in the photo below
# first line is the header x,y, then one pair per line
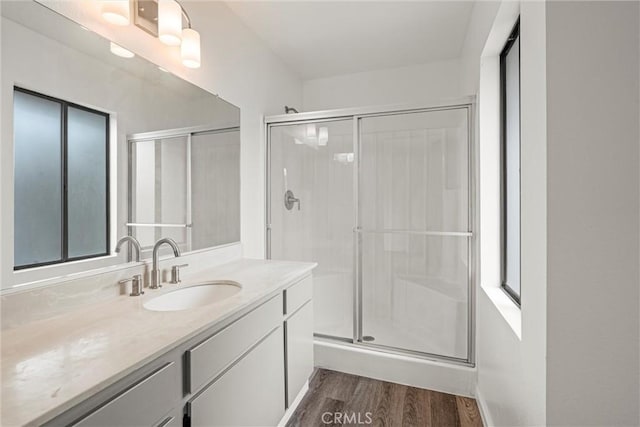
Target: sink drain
x,y
368,338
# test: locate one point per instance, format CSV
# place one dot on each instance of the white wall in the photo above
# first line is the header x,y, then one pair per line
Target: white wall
x,y
415,84
480,23
511,342
405,85
570,355
593,210
238,66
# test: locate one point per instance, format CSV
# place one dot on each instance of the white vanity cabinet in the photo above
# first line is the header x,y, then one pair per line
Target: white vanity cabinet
x,y
145,403
243,372
298,326
208,359
250,393
246,370
256,389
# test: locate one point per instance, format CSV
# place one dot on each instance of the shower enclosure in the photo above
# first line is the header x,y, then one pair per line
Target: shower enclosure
x,y
383,202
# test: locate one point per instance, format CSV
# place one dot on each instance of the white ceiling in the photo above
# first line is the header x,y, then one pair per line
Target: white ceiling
x,y
328,38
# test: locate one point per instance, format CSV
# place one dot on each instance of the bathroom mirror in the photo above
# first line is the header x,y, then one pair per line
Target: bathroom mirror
x,y
105,144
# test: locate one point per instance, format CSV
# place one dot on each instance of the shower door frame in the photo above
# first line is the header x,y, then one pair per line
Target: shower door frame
x,y
355,115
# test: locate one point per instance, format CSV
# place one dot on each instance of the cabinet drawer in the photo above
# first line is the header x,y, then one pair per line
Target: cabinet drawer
x,y
297,294
144,404
299,344
209,358
251,393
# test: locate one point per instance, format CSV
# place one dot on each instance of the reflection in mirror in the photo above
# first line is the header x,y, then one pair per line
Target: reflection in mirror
x,y
83,94
184,184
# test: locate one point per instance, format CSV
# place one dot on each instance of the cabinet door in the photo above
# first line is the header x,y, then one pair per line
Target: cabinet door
x,y
251,393
297,294
144,404
209,358
299,339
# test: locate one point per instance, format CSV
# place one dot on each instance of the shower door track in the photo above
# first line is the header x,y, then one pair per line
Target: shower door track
x,y
356,114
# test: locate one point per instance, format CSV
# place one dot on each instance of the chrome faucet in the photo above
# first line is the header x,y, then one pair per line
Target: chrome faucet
x,y
134,242
155,272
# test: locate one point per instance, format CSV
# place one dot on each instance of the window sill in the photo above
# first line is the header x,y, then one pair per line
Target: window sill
x,y
48,274
508,309
66,263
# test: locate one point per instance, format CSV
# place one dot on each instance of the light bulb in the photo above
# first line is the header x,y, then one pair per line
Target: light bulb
x,y
190,49
120,51
169,22
323,136
116,12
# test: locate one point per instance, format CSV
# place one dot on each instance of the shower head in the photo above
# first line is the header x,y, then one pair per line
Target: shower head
x,y
289,110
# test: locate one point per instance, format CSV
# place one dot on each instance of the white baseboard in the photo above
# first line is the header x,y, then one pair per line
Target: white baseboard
x,y
432,375
482,408
289,412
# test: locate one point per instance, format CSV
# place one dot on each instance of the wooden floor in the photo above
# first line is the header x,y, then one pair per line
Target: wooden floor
x,y
337,399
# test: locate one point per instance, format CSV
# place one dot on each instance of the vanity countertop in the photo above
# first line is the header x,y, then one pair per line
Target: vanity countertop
x,y
49,366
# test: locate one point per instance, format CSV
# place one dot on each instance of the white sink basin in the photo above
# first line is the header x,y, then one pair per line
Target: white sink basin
x,y
193,296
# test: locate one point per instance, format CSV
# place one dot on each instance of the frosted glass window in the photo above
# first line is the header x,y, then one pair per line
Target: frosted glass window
x,y
86,182
510,76
37,180
61,190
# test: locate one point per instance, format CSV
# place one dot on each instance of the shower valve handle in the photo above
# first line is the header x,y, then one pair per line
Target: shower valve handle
x,y
290,200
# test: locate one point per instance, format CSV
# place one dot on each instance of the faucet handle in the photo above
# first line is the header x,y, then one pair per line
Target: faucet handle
x,y
136,285
175,273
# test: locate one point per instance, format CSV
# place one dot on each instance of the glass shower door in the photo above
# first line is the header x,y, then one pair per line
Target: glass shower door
x,y
414,238
311,213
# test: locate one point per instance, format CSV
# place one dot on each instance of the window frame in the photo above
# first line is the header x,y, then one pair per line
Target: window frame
x,y
513,35
65,105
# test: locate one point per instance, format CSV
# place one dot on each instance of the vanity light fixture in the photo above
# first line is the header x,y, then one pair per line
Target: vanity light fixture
x,y
162,18
116,12
190,48
170,22
120,51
